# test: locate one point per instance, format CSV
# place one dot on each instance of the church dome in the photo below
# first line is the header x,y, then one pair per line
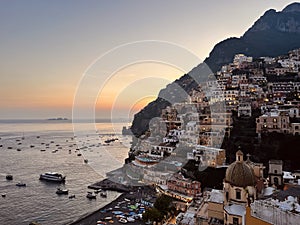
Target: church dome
x,y
239,173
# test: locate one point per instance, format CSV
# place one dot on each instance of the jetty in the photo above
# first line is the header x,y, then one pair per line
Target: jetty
x,y
107,184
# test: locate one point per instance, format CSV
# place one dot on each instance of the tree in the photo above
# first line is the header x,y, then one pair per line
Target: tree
x,y
162,203
152,214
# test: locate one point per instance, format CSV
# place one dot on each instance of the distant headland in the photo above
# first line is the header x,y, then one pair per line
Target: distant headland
x,y
58,118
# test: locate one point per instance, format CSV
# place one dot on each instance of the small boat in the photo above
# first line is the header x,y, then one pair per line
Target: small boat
x,y
9,147
97,191
37,136
71,196
108,218
103,194
91,195
9,177
3,195
62,191
20,184
53,176
130,219
31,146
18,149
42,150
86,161
122,220
79,154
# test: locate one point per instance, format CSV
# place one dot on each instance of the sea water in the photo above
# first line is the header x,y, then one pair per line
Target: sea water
x,y
21,156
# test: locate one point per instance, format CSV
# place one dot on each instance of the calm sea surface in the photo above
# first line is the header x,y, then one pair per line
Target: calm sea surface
x,y
22,157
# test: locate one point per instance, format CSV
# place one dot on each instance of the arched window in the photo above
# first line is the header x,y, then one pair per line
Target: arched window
x,y
238,194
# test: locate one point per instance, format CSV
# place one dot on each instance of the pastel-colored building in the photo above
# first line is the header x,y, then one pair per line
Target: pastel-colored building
x,y
273,121
178,183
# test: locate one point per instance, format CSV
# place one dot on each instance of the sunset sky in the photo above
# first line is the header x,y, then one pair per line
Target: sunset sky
x,y
47,46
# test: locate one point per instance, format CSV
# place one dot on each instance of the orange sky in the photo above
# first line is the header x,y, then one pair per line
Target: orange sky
x,y
47,47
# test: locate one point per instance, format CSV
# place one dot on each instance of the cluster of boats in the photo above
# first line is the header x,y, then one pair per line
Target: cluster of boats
x,y
93,195
59,178
19,184
10,177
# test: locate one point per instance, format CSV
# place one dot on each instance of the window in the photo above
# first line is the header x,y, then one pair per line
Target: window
x,y
275,171
235,220
274,120
238,194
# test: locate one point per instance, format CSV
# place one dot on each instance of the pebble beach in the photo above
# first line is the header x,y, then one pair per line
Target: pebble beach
x,y
129,206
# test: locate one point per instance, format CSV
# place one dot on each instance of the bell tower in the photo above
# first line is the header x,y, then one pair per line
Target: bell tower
x,y
275,172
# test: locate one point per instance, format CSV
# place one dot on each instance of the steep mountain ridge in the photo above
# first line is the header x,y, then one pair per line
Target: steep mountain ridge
x,y
273,34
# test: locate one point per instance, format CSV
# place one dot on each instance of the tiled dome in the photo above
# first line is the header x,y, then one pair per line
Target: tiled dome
x,y
239,173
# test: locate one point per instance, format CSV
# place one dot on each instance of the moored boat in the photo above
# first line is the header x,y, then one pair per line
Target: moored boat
x,y
122,220
71,196
103,194
9,177
91,195
60,191
21,184
53,176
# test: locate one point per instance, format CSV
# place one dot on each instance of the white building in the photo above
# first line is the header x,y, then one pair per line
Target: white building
x,y
244,109
208,156
276,212
240,58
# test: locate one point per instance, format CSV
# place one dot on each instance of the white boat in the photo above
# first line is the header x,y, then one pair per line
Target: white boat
x,y
122,220
53,176
130,219
62,191
91,195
